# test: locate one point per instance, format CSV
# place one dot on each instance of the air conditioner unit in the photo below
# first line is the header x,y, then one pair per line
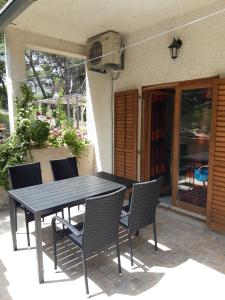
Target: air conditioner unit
x,y
98,49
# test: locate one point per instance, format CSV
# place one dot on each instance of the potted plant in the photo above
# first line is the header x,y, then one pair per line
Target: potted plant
x,y
73,140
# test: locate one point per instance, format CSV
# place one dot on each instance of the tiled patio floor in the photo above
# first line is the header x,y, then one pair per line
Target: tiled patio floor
x,y
190,264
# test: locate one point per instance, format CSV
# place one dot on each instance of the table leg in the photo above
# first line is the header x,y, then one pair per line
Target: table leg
x,y
38,237
12,209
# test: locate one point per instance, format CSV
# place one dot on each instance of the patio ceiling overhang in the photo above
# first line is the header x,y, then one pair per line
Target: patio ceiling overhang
x,y
11,10
76,21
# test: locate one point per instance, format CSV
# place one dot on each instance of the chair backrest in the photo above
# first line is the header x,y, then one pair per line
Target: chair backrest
x,y
73,162
144,200
64,168
25,175
102,219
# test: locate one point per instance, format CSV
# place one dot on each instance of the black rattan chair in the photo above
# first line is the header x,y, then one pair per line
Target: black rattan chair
x,y
22,176
144,201
64,168
100,228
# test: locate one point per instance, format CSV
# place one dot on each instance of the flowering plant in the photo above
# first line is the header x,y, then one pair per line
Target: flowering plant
x,y
62,133
55,138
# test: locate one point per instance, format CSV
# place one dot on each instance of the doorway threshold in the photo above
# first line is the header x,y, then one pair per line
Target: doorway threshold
x,y
182,211
167,200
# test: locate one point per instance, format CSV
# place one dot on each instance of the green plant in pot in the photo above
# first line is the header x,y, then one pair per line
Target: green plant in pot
x,y
39,132
73,142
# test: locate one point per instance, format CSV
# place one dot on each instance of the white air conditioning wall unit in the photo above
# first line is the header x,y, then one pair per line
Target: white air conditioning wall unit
x,y
98,49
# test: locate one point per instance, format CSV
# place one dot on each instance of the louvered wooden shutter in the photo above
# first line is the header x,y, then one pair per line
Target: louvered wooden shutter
x,y
216,188
125,134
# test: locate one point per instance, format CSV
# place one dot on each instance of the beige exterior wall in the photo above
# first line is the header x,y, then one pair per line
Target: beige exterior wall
x,y
202,55
86,162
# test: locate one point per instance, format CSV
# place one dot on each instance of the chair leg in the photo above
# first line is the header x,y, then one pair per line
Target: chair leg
x,y
54,247
118,257
28,233
63,218
85,274
131,250
155,237
69,216
15,218
78,207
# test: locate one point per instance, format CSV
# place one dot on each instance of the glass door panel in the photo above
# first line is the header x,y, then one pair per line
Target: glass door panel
x,y
195,119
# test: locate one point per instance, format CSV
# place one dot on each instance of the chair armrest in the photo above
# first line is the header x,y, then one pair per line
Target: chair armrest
x,y
65,223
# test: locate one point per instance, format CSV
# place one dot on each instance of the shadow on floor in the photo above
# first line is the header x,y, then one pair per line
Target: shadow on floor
x,y
4,294
102,268
188,252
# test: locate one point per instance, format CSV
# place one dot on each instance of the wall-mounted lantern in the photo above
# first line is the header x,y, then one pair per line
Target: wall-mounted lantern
x,y
174,48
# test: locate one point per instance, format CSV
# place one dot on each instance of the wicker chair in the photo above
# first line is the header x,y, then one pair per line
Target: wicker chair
x,y
63,169
100,228
23,176
141,212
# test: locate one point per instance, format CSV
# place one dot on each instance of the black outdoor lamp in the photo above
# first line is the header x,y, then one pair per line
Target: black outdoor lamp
x,y
174,48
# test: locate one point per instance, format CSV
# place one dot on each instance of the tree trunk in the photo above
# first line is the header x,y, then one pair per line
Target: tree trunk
x,y
36,75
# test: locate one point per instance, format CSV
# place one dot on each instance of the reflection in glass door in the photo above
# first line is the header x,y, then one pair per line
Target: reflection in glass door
x,y
195,117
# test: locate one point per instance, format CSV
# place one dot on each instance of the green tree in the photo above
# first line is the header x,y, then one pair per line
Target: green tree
x,y
48,74
2,3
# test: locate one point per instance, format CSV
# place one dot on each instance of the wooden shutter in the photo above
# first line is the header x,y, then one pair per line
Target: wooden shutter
x,y
125,134
216,188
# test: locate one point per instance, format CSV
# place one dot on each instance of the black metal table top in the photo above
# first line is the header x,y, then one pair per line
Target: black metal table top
x,y
43,197
117,179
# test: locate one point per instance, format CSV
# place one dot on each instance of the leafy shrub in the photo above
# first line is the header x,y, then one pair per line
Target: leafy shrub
x,y
39,132
4,118
73,142
11,154
14,149
24,109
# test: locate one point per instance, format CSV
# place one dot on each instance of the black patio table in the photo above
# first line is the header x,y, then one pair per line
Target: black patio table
x,y
43,198
117,179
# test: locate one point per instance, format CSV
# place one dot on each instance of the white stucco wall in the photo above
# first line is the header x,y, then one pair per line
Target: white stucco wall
x,y
99,118
202,55
15,70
